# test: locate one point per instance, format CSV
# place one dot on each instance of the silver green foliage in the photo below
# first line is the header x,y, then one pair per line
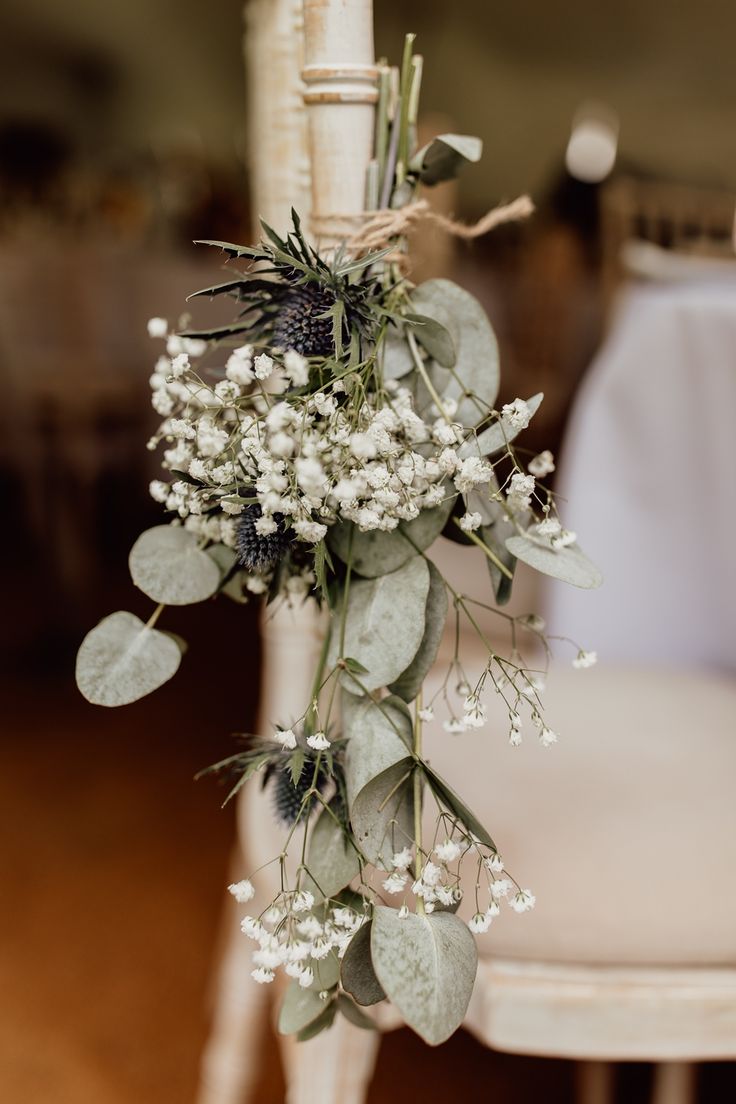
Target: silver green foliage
x,y
378,767
122,660
168,565
569,564
476,368
441,158
384,625
332,860
356,971
435,615
378,553
427,967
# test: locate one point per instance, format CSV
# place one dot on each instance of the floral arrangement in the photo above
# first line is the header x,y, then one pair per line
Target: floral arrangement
x,y
314,449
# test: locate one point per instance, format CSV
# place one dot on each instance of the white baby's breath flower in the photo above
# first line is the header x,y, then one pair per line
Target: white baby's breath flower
x,y
286,737
547,737
501,887
262,976
480,923
541,465
516,414
265,525
431,874
297,368
318,741
454,725
494,863
395,882
157,327
585,659
523,901
302,901
564,539
158,490
306,977
519,491
242,891
470,521
403,912
549,527
426,714
263,365
251,927
448,851
402,859
180,365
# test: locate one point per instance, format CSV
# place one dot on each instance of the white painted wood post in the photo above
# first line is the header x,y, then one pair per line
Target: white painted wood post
x,y
340,94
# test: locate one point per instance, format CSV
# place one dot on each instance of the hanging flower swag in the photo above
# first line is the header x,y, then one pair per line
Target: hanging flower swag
x,y
354,423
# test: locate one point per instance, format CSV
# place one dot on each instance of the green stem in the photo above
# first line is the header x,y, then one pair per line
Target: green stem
x,y
407,74
417,781
489,552
419,364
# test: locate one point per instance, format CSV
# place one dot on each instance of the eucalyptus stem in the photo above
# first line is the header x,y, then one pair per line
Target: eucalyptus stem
x,y
419,363
155,615
488,551
417,782
407,75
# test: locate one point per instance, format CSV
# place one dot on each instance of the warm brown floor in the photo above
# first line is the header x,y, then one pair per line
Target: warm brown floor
x,y
113,866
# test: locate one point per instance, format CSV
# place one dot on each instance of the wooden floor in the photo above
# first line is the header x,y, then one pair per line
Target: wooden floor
x,y
113,864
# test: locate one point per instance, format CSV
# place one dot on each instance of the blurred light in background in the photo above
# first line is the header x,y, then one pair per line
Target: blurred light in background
x,y
591,151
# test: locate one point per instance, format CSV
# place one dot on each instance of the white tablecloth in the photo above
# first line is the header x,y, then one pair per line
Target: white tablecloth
x,y
649,474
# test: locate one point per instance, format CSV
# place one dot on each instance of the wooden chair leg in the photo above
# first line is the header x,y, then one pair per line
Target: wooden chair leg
x,y
230,1063
594,1083
674,1083
333,1068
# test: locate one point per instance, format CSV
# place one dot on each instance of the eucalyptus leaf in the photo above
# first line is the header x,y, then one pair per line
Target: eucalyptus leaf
x,y
379,735
434,337
377,776
384,625
447,796
167,564
351,1012
326,972
435,615
427,966
442,158
299,1008
357,973
474,380
377,553
322,1023
332,861
570,564
224,556
121,660
395,356
498,435
381,814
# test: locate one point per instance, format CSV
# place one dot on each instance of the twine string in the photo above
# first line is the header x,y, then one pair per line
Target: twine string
x,y
370,231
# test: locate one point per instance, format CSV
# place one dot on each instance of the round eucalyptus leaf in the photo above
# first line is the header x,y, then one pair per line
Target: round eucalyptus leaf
x,y
442,158
384,625
379,734
435,614
332,861
474,380
395,355
351,1012
121,660
498,435
316,1027
570,564
427,966
357,973
167,564
378,553
434,337
381,814
299,1008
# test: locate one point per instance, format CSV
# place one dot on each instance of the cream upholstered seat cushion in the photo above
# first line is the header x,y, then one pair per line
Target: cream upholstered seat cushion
x,y
625,830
